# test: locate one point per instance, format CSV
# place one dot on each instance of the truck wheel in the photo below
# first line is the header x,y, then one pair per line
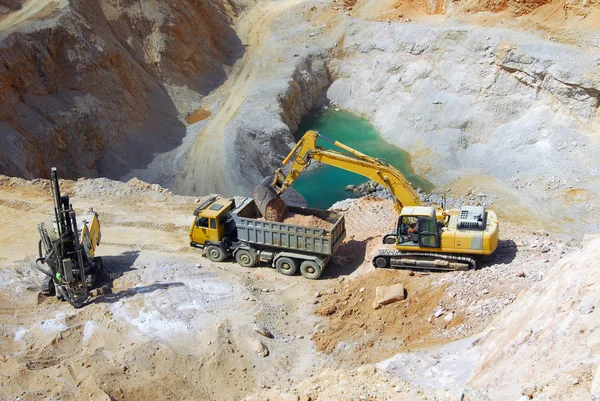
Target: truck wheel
x,y
286,266
215,254
245,258
310,270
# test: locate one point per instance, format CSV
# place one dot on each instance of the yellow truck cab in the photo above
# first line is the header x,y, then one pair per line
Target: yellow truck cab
x,y
212,222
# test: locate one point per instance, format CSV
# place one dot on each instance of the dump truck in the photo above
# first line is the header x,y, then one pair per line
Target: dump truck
x,y
223,228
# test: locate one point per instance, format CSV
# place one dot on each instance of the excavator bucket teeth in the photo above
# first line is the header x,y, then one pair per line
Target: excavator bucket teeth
x,y
264,194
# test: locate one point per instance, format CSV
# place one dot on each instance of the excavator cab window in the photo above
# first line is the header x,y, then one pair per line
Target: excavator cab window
x,y
428,232
407,230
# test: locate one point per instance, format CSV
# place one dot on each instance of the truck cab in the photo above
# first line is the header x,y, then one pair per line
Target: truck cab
x,y
212,223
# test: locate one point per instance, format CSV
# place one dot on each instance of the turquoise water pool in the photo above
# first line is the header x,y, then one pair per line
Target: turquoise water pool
x,y
324,186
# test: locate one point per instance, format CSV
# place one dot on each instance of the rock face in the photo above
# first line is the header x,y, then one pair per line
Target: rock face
x,y
6,6
268,130
545,344
521,110
99,88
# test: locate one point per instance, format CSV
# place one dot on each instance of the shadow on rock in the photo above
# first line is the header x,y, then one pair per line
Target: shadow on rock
x,y
117,265
505,254
349,256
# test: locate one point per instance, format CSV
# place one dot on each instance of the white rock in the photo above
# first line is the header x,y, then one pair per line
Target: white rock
x,y
260,348
586,309
595,389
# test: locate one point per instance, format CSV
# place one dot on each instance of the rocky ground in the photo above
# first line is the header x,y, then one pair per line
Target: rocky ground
x,y
172,325
509,109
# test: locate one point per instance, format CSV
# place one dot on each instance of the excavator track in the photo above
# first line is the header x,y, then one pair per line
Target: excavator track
x,y
395,259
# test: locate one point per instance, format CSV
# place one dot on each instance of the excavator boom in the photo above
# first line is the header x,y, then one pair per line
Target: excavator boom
x,y
306,150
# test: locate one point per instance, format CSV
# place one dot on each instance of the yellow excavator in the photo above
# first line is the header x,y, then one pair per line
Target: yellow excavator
x,y
426,237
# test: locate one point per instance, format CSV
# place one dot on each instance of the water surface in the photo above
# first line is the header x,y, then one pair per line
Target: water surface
x,y
324,186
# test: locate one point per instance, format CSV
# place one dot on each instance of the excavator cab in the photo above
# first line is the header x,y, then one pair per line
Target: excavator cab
x,y
212,222
418,226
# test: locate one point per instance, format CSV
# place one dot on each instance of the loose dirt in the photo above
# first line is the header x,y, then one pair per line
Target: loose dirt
x,y
394,328
133,341
276,210
305,220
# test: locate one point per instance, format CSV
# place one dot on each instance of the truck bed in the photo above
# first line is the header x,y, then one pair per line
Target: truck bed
x,y
263,233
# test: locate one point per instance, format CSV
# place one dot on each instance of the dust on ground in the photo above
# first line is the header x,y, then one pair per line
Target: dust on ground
x,y
255,333
135,340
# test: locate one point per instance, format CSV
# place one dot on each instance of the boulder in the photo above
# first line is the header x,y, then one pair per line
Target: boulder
x,y
385,295
259,347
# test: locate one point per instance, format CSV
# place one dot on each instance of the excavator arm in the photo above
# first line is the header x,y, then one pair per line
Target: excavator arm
x,y
306,150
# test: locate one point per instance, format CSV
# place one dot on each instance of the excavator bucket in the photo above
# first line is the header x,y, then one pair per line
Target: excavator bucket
x,y
264,193
271,206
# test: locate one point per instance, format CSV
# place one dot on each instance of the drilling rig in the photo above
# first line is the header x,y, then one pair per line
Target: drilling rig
x,y
66,250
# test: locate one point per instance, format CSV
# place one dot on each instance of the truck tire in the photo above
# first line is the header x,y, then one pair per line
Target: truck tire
x,y
245,258
286,266
215,254
310,270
